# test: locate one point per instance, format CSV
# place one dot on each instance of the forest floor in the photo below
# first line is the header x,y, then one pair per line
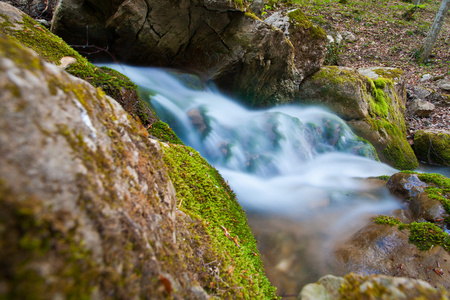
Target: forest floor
x,y
385,37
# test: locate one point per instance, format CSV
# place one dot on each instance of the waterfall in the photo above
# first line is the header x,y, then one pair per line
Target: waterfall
x,y
288,159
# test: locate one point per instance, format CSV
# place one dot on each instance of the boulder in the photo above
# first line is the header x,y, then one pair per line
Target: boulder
x,y
433,146
371,101
242,54
355,286
422,108
88,209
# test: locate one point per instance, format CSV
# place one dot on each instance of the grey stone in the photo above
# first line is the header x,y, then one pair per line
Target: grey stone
x,y
348,36
422,108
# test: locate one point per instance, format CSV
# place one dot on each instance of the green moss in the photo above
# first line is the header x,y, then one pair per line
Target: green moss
x,y
298,19
391,221
204,194
389,122
357,286
426,235
336,75
164,133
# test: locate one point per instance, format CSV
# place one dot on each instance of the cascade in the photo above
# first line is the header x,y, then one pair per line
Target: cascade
x,y
299,172
287,159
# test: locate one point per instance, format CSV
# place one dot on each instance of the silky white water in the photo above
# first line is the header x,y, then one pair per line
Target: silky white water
x,y
288,159
299,170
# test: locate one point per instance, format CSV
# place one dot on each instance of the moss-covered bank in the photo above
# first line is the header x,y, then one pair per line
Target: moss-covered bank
x,y
203,194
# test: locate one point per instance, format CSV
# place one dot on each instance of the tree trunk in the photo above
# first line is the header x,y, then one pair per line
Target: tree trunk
x,y
425,50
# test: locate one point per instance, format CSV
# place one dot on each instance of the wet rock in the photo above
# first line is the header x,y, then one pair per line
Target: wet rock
x,y
198,120
433,146
423,208
380,249
422,108
405,185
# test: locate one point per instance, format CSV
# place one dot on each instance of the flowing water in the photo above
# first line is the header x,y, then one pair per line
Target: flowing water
x,y
301,164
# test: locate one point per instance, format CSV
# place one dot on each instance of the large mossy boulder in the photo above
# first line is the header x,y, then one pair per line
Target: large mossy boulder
x,y
371,101
221,39
92,208
433,146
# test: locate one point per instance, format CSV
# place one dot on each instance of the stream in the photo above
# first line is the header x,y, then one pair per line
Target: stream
x,y
298,171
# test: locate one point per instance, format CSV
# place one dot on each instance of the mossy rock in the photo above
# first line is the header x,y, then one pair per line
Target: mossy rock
x,y
29,33
87,208
433,146
372,108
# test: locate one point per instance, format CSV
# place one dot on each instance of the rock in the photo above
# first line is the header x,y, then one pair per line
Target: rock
x,y
423,208
405,186
354,286
337,88
444,84
55,51
198,120
380,249
371,101
87,207
426,77
421,92
257,7
348,36
242,54
433,146
279,20
314,291
422,108
394,74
